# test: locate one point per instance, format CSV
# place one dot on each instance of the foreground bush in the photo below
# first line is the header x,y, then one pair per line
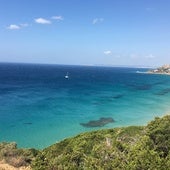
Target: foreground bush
x,y
131,148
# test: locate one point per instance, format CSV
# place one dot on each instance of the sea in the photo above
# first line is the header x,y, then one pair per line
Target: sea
x,y
39,106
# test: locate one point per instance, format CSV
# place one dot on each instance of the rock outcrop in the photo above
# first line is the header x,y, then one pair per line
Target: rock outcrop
x,y
165,69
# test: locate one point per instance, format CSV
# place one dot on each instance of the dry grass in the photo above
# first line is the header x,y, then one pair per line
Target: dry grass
x,y
5,166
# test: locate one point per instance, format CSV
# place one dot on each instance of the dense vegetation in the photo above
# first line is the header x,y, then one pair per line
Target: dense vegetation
x,y
130,148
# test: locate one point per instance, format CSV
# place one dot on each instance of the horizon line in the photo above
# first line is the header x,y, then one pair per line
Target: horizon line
x,y
90,65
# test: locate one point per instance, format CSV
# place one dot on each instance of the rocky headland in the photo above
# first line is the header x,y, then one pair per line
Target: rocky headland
x,y
165,69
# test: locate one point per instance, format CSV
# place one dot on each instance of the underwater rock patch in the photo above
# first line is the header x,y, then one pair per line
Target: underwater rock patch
x,y
140,87
143,87
110,98
12,125
98,123
163,92
118,96
27,123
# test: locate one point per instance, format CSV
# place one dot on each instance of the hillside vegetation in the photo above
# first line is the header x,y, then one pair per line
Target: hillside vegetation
x,y
130,148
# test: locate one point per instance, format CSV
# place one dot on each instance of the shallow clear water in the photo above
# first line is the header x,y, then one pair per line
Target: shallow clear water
x,y
38,106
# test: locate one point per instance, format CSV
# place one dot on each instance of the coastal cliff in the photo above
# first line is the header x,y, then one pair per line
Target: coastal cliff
x,y
128,148
165,69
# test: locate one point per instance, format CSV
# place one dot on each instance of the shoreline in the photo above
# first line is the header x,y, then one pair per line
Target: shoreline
x,y
144,123
158,73
95,130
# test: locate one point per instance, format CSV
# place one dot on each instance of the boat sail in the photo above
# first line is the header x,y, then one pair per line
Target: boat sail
x,y
66,76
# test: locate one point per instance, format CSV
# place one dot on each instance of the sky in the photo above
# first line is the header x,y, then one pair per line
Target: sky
x,y
85,32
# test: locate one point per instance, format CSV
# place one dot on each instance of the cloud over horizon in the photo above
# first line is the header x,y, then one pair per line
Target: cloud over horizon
x,y
42,21
150,56
108,52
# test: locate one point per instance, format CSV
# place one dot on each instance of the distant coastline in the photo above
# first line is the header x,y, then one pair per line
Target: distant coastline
x,y
165,69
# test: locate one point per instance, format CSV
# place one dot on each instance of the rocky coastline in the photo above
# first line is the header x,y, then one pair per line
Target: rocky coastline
x,y
165,69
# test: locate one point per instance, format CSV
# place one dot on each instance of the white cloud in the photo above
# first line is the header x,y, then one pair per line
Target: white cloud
x,y
42,21
97,20
17,26
134,56
150,56
59,18
108,52
24,25
13,27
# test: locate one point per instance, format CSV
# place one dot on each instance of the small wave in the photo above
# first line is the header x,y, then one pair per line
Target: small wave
x,y
143,72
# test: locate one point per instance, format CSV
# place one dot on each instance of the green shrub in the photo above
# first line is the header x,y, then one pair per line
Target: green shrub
x,y
130,148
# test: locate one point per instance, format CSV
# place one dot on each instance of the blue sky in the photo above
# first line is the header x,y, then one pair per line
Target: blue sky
x,y
107,32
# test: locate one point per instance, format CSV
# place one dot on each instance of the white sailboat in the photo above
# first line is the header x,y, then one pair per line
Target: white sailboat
x,y
66,76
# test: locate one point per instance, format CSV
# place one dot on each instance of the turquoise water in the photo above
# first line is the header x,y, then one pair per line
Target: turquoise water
x,y
39,107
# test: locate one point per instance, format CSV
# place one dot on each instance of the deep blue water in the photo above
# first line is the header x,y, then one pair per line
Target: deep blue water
x,y
39,107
